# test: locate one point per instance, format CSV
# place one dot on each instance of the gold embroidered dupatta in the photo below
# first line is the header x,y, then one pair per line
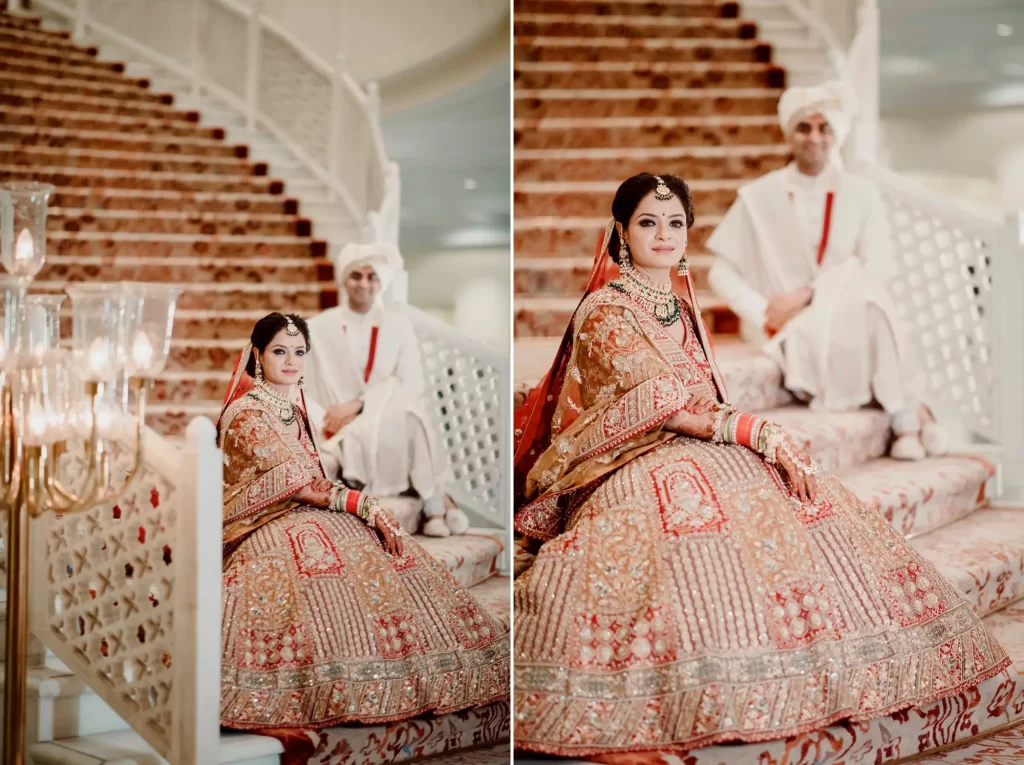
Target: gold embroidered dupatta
x,y
264,466
622,382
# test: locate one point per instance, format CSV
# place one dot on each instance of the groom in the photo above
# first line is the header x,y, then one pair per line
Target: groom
x,y
803,257
366,374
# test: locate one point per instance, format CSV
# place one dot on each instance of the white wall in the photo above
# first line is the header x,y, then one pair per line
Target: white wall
x,y
384,38
469,288
975,156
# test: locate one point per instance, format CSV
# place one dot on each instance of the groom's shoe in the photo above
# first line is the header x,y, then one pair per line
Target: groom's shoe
x,y
908,447
457,521
436,527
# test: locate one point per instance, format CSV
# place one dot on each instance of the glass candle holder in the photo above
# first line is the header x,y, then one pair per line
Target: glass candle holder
x,y
23,227
150,341
102,315
12,292
40,328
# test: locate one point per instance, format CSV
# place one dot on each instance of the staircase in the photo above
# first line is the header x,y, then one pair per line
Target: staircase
x,y
605,89
147,192
156,183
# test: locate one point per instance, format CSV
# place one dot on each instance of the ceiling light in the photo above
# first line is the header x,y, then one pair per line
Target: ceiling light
x,y
1004,30
469,184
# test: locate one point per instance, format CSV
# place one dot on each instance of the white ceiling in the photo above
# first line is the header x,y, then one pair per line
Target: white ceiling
x,y
949,55
460,140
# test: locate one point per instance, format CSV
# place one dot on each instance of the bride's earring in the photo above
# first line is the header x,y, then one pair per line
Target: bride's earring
x,y
625,264
259,370
302,382
684,267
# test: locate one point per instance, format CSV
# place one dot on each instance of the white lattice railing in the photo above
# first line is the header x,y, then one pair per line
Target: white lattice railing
x,y
468,387
127,595
945,290
240,56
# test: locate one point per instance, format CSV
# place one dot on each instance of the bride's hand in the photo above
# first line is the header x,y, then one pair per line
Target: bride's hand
x,y
799,470
695,425
389,529
705,402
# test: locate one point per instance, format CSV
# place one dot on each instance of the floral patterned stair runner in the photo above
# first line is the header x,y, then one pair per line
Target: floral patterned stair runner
x,y
606,89
146,193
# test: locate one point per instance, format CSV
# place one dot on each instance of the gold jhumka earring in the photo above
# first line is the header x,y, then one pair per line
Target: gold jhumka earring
x,y
259,368
625,262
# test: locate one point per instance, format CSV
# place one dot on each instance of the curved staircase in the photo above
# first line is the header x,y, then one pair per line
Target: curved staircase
x,y
149,191
608,88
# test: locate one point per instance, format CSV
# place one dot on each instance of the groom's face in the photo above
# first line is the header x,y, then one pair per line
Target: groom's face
x,y
362,286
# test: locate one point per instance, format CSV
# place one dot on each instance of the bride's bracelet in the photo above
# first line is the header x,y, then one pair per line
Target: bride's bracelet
x,y
732,427
719,424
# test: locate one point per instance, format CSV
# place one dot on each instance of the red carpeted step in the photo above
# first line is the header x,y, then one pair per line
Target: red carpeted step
x,y
128,162
19,21
650,132
35,36
98,140
96,106
177,222
604,103
174,201
637,74
114,179
639,50
615,164
123,89
223,296
226,270
703,9
184,245
632,25
44,68
70,58
70,120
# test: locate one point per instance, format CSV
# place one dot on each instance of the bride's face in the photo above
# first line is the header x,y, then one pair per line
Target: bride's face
x,y
284,359
657,233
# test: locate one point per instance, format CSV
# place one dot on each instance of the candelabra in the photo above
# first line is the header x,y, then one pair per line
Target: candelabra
x,y
56,396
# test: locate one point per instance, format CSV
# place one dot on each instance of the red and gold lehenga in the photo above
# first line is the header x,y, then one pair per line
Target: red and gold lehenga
x,y
682,595
321,625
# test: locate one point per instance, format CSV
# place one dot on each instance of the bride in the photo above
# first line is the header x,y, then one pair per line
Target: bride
x,y
699,579
330,613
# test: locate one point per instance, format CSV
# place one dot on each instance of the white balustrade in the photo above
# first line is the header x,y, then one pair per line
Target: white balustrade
x,y
468,393
947,258
127,595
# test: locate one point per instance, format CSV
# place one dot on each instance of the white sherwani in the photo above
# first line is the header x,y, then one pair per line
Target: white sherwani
x,y
391,444
846,348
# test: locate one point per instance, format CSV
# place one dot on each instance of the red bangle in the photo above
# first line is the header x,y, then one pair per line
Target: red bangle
x,y
352,500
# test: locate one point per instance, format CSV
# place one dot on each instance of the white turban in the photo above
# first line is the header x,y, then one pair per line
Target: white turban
x,y
834,100
384,259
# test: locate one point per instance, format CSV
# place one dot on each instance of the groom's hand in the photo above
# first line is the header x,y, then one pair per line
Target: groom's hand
x,y
340,415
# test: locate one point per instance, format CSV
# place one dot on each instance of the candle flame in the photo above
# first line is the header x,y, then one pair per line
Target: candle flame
x,y
25,247
142,351
98,359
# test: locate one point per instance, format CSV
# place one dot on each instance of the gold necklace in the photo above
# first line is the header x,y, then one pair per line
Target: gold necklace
x,y
656,298
268,395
